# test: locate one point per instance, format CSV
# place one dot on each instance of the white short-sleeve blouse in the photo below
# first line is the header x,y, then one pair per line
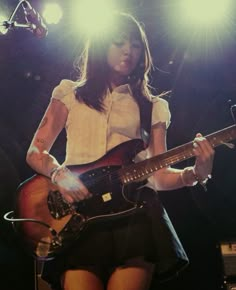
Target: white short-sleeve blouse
x,y
90,134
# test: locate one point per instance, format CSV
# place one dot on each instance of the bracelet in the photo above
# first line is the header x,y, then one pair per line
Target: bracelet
x,y
55,172
202,182
188,173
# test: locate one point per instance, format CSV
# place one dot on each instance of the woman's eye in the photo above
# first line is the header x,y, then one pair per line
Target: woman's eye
x,y
134,44
118,43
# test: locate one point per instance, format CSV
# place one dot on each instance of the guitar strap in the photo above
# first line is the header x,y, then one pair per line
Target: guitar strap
x,y
145,109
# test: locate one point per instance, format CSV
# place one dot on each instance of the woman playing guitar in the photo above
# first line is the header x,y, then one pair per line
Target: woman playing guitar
x,y
101,114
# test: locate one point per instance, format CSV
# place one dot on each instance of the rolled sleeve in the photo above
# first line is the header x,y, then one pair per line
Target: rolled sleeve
x,y
160,112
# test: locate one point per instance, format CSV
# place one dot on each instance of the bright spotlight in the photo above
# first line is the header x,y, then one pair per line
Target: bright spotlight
x,y
205,12
93,16
52,13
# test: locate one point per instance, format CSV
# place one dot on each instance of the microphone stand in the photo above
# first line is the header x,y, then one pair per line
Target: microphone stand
x,y
10,24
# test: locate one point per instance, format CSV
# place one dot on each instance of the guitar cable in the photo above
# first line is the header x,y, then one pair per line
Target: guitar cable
x,y
9,216
38,264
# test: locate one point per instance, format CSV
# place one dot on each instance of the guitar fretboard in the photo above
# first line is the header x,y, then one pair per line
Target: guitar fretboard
x,y
145,168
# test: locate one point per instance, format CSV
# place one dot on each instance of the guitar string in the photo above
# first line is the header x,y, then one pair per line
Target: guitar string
x,y
139,170
136,169
116,175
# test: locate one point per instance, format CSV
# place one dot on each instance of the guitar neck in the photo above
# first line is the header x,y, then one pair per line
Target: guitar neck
x,y
145,168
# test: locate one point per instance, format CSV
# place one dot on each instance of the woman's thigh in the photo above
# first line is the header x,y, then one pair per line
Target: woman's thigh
x,y
81,279
136,274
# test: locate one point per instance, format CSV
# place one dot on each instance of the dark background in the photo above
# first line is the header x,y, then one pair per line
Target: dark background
x,y
203,83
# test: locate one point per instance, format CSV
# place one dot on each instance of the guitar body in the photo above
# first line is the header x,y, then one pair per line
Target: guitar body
x,y
48,224
32,204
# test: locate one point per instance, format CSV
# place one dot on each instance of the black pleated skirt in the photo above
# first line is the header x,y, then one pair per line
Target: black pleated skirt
x,y
109,244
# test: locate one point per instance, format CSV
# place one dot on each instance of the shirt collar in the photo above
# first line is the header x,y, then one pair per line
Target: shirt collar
x,y
124,89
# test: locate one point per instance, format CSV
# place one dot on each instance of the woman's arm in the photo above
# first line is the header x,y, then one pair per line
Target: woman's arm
x,y
52,123
172,178
41,161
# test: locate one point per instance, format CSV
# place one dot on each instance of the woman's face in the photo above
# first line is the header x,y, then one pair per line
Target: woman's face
x,y
124,54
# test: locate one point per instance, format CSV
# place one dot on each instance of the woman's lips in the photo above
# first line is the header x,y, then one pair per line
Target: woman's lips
x,y
126,62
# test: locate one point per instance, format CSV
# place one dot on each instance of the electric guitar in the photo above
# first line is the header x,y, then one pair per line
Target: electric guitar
x,y
48,224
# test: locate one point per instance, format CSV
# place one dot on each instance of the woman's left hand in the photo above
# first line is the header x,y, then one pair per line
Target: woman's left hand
x,y
204,153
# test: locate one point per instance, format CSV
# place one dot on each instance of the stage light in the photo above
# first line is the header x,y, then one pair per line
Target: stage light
x,y
93,16
202,28
205,12
52,13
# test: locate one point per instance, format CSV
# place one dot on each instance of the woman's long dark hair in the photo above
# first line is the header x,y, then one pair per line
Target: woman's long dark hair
x,y
94,70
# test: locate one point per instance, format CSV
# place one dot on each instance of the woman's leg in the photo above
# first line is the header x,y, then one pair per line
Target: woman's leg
x,y
136,274
81,279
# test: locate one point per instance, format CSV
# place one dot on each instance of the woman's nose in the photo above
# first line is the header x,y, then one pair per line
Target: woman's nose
x,y
127,48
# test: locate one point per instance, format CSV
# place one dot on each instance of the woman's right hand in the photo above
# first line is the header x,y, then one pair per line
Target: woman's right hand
x,y
69,185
